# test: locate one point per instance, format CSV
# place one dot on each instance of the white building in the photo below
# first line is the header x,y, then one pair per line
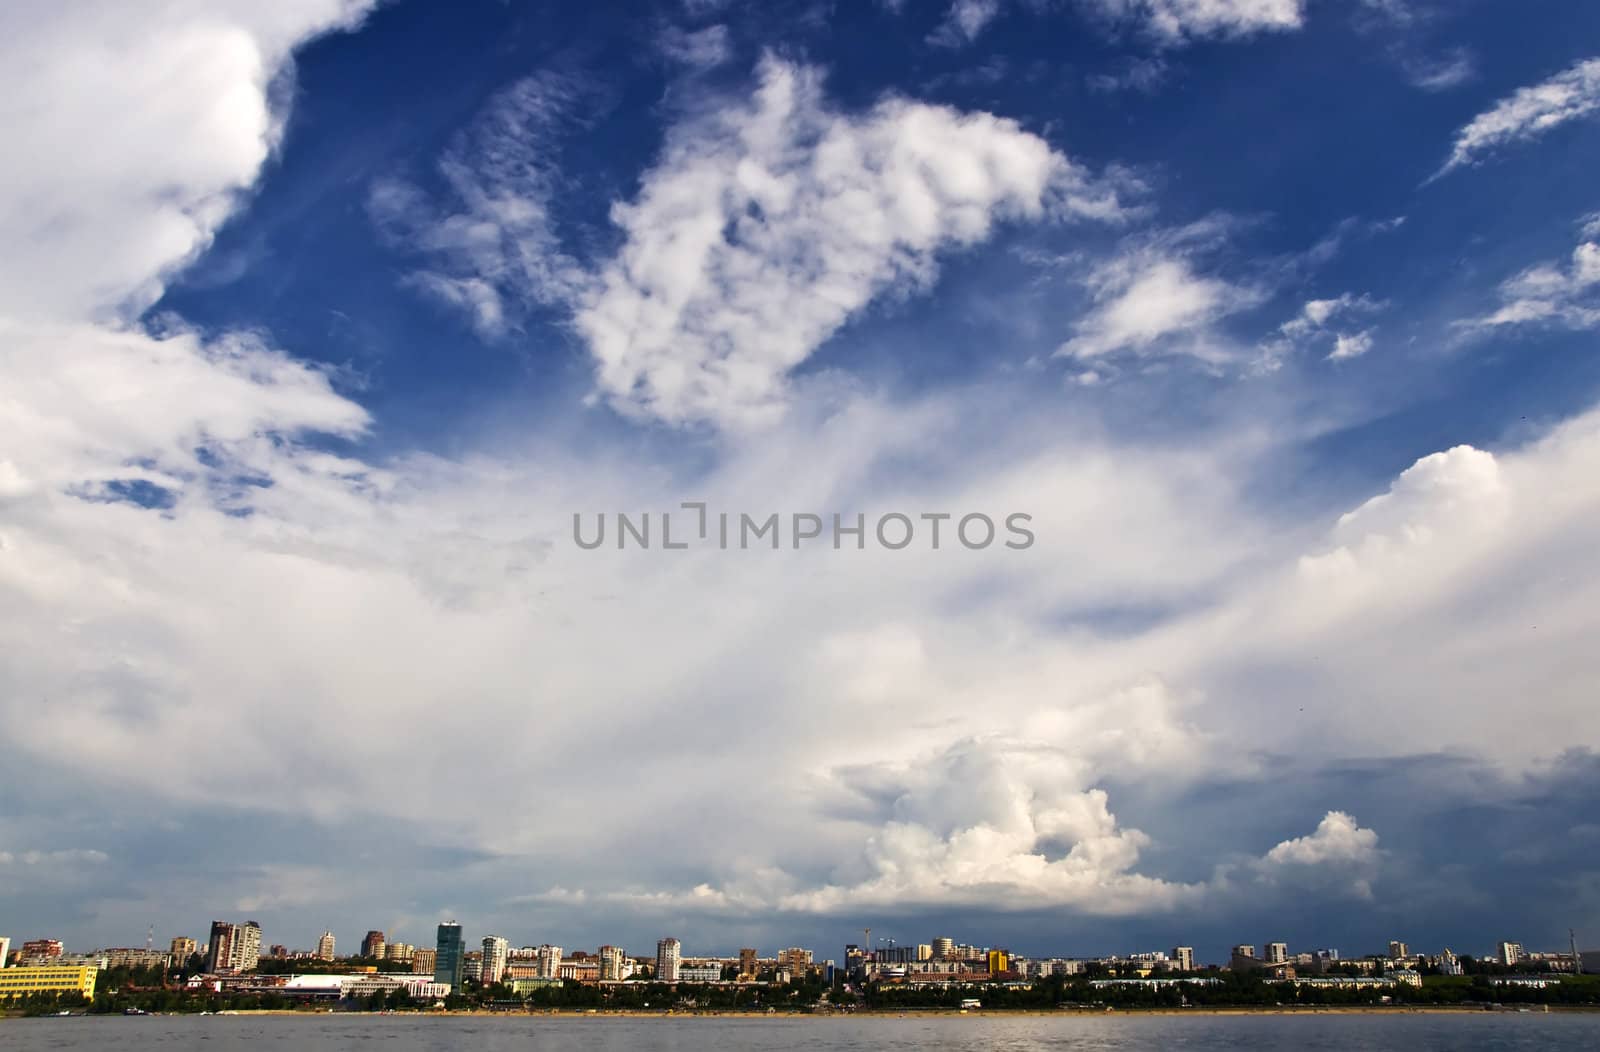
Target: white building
x,y
548,962
614,964
1509,953
1183,958
496,951
325,947
668,953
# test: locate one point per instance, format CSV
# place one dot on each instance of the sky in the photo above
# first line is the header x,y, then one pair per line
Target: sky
x,y
321,322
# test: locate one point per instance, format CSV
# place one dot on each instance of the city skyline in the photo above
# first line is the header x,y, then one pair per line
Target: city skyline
x,y
883,948
1272,325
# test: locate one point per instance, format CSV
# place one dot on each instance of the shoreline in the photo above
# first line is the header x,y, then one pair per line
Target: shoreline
x,y
977,1013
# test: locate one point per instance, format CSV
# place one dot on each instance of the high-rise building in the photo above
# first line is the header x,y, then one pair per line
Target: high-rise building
x,y
1183,958
1277,952
233,947
942,948
247,947
1509,953
749,963
5,949
495,953
182,949
547,961
669,953
398,951
422,961
795,959
999,962
219,947
325,946
1398,949
612,960
448,956
372,945
924,951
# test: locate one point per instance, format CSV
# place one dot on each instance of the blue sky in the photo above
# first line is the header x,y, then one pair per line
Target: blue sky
x,y
320,324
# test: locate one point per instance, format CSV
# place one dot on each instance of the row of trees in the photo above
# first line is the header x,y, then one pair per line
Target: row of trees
x,y
123,989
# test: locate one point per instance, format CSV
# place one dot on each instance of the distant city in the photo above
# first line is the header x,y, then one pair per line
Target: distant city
x,y
455,971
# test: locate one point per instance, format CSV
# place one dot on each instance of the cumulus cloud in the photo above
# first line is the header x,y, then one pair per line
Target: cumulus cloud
x,y
129,138
990,823
1338,839
1339,853
766,226
1527,114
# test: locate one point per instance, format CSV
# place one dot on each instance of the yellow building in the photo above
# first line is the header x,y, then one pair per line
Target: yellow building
x,y
998,962
48,979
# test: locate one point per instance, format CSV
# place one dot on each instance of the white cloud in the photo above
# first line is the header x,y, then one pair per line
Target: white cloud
x,y
1143,75
1338,854
1337,839
1527,114
1350,345
1150,299
64,857
129,136
1177,22
1166,23
1311,327
766,226
964,21
1565,293
1450,70
698,49
494,251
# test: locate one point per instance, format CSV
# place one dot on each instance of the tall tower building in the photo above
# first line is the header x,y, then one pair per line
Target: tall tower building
x,y
325,947
373,944
449,955
219,947
547,961
748,961
611,958
668,953
5,949
1398,949
1277,952
1184,958
943,948
496,951
246,947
